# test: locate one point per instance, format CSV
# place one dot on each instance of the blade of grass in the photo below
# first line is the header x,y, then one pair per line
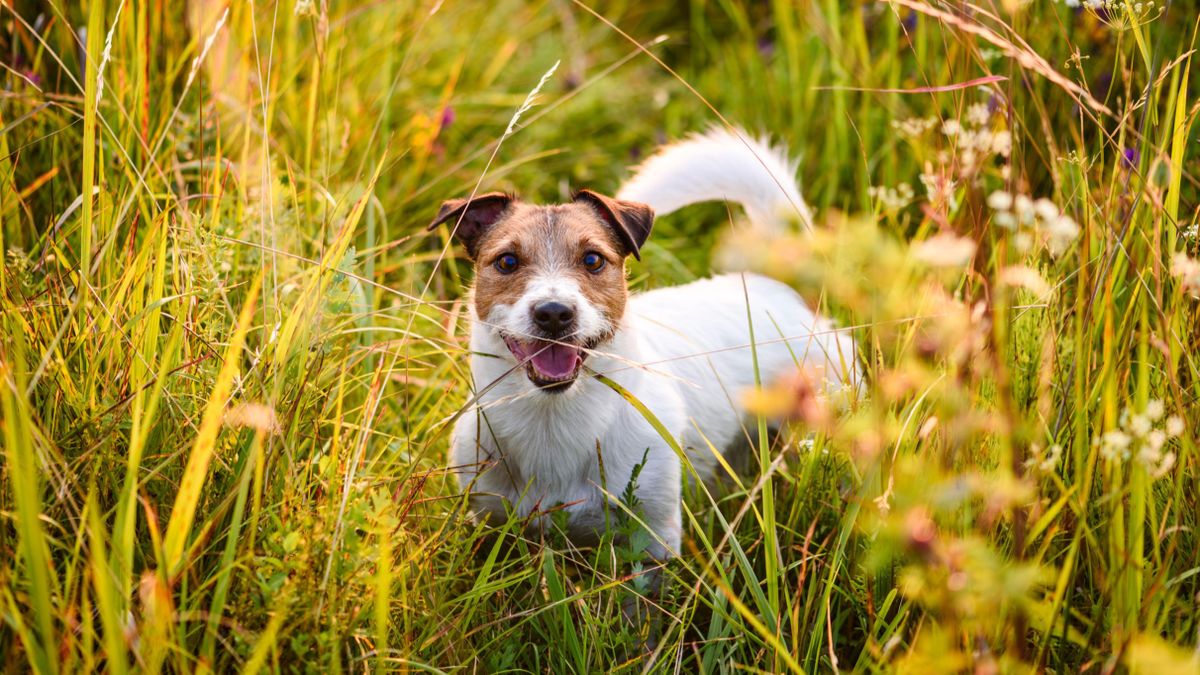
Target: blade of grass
x,y
195,473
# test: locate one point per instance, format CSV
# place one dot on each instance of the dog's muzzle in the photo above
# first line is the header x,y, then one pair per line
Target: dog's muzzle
x,y
552,356
550,365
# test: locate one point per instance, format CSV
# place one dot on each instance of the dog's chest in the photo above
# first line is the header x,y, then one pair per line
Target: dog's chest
x,y
566,449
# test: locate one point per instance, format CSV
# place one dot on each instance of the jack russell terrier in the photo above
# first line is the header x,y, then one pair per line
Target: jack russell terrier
x,y
550,309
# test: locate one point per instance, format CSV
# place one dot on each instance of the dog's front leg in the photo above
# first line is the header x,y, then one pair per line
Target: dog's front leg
x,y
473,459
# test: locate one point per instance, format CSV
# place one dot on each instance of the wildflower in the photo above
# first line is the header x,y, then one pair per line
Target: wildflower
x,y
1174,426
1000,201
939,189
1141,439
448,117
1006,220
1044,461
1117,13
1140,425
1052,457
1156,439
1023,207
1040,219
1114,445
945,250
914,126
1023,242
951,128
978,114
1164,465
892,199
1060,232
1154,410
1045,209
1187,269
1129,159
766,47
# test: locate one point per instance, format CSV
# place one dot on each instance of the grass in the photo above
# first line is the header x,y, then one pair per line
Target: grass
x,y
230,352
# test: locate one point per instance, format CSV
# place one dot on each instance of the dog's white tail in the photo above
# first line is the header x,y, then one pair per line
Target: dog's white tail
x,y
721,164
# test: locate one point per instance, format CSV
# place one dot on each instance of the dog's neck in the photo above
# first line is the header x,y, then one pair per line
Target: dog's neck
x,y
547,435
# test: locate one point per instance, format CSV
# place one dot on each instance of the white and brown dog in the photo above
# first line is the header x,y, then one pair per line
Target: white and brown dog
x,y
550,307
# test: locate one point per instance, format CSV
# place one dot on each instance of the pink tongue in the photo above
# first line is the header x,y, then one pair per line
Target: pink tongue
x,y
555,361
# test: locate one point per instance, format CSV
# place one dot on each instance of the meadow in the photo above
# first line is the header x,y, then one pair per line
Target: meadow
x,y
230,352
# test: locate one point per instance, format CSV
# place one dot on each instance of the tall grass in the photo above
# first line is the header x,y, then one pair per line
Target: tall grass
x,y
230,352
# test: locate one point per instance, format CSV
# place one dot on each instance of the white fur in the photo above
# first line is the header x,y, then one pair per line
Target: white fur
x,y
722,164
684,352
517,319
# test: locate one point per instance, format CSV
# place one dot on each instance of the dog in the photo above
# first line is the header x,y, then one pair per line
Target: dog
x,y
550,312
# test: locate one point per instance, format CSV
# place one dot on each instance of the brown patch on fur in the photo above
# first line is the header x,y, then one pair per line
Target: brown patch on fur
x,y
551,240
470,219
631,222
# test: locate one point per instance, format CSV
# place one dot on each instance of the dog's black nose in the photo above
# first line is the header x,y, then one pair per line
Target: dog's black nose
x,y
553,317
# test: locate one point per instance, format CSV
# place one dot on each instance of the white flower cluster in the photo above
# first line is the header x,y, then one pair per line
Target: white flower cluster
x,y
1030,219
1143,438
979,114
940,189
914,126
1117,7
973,140
892,199
1187,269
1044,460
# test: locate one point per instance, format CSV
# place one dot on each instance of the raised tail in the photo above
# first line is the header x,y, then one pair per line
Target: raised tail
x,y
722,165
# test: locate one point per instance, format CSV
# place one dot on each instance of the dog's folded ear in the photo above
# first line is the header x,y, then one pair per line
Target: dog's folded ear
x,y
471,218
630,221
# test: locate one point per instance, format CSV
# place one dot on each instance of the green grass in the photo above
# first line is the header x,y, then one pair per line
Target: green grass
x,y
230,352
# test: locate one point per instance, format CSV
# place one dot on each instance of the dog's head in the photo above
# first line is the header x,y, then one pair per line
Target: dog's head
x,y
549,280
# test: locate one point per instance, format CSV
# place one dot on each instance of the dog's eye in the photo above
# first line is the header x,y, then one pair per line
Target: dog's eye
x,y
594,262
506,264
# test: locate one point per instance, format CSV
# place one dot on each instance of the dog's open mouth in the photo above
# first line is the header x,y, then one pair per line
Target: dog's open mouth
x,y
549,365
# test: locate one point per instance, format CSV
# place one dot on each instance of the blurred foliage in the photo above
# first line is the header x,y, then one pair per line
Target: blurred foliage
x,y
1015,490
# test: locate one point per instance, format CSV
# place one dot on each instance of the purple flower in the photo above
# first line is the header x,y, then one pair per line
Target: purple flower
x,y
909,22
766,47
994,103
447,117
1130,158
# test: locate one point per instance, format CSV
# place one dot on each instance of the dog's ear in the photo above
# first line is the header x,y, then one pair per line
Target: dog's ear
x,y
630,221
471,218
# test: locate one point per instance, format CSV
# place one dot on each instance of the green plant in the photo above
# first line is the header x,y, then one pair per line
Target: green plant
x,y
230,352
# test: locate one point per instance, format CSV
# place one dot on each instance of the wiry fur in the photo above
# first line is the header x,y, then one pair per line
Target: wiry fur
x,y
722,164
684,352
